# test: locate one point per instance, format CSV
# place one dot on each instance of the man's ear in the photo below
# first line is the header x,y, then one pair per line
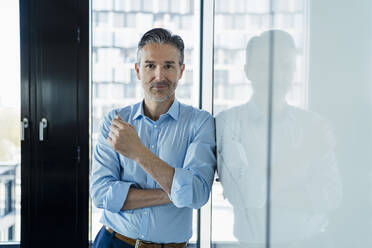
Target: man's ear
x,y
136,68
182,70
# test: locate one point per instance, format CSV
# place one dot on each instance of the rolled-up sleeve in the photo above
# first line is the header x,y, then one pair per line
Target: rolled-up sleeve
x,y
192,183
106,189
324,185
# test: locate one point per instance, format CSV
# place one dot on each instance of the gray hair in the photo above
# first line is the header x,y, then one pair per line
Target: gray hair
x,y
281,40
161,36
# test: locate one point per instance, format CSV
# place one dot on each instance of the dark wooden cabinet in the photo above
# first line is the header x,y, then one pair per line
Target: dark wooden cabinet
x,y
55,100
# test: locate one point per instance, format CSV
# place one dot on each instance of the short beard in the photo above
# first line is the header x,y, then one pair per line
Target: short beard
x,y
156,99
165,98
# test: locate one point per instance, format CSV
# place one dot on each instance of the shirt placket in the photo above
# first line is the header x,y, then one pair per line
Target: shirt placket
x,y
153,146
150,182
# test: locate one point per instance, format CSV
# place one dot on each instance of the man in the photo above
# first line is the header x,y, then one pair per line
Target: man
x,y
305,181
155,160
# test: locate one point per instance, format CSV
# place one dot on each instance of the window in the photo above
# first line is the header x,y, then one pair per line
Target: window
x,y
129,90
122,74
11,233
119,5
148,5
103,4
131,20
9,197
101,90
102,38
163,6
135,5
175,6
119,20
187,22
232,87
102,19
221,77
10,145
117,91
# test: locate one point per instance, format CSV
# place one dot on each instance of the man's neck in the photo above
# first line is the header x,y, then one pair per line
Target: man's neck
x,y
262,101
154,110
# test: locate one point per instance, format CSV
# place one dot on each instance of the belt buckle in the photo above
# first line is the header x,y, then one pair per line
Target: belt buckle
x,y
138,241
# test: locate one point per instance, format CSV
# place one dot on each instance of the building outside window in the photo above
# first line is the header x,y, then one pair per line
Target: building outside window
x,y
10,145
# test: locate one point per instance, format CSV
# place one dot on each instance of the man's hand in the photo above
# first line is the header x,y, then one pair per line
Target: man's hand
x,y
124,139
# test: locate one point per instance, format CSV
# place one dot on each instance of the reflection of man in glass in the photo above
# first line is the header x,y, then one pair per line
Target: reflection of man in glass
x,y
305,179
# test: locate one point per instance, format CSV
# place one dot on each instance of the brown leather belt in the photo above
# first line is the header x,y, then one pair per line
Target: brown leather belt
x,y
137,243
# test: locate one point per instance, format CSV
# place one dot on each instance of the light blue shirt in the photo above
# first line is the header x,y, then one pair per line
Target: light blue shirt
x,y
184,137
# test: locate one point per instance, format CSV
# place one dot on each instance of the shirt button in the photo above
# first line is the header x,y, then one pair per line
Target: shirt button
x,y
155,126
142,236
152,146
145,212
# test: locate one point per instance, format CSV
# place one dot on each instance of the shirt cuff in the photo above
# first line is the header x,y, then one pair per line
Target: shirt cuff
x,y
182,192
116,196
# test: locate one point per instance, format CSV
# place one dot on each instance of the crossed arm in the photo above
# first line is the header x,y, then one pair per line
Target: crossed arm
x,y
141,198
188,186
124,139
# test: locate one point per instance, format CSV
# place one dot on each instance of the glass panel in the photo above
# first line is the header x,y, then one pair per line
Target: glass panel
x,y
340,135
294,154
115,40
241,74
10,150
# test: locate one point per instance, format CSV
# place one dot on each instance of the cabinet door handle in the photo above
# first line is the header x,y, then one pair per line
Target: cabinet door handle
x,y
24,125
43,124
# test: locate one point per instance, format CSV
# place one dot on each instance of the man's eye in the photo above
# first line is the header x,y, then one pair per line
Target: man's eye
x,y
168,66
151,66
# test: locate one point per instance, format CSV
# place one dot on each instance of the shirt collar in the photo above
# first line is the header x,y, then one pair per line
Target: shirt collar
x,y
139,112
255,113
173,111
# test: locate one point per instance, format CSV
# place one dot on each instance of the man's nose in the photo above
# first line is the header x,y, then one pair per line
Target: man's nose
x,y
159,73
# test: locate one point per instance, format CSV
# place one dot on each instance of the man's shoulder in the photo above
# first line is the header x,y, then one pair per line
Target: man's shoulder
x,y
196,121
306,117
233,113
193,113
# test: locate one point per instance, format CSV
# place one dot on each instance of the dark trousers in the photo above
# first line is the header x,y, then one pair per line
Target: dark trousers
x,y
106,240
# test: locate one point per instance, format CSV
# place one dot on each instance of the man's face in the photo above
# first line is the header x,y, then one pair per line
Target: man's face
x,y
283,68
159,71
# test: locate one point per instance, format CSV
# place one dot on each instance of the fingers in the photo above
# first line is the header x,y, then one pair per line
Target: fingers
x,y
111,135
110,141
120,123
114,129
117,125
